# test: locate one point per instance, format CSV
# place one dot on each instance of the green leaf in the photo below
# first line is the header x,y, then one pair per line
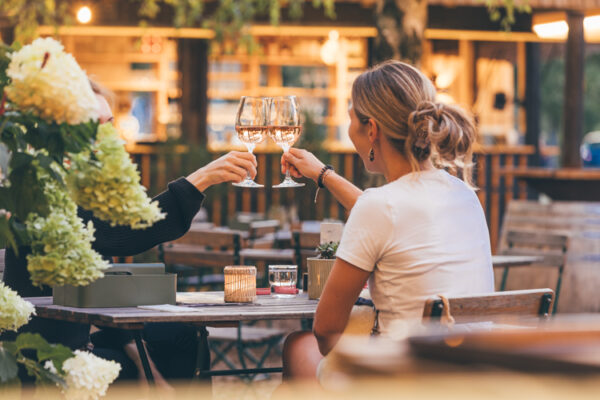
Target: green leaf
x,y
55,352
8,366
33,341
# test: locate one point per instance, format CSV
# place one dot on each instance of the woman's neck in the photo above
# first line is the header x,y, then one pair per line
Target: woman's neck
x,y
395,165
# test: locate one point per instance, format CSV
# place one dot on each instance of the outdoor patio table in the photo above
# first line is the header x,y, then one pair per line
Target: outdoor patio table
x,y
134,318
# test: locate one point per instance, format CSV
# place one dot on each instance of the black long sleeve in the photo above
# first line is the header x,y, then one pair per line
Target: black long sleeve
x,y
181,201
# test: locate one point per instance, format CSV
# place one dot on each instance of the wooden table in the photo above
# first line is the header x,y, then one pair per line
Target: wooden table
x,y
133,318
567,184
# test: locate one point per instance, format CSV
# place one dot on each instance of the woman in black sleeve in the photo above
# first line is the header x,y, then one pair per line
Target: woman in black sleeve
x,y
173,347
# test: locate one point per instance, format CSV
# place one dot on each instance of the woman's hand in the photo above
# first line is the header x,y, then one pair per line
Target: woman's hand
x,y
232,167
301,163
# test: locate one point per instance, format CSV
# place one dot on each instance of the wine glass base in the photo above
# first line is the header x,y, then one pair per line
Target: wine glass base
x,y
248,184
288,184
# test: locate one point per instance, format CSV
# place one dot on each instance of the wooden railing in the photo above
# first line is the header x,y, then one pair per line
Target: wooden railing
x,y
158,166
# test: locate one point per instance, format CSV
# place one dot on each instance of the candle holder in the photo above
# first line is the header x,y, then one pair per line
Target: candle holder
x,y
240,284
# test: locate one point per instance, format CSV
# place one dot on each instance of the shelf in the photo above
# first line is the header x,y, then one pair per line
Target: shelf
x,y
353,62
273,91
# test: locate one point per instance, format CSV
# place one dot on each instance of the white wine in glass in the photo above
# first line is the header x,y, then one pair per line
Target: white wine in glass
x,y
285,129
251,126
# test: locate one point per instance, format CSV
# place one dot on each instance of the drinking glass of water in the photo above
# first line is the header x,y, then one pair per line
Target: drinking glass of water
x,y
282,279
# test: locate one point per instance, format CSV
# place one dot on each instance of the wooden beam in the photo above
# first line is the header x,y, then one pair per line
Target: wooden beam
x,y
573,108
486,36
466,51
200,33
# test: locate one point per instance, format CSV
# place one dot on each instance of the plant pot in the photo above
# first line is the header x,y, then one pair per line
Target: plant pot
x,y
318,272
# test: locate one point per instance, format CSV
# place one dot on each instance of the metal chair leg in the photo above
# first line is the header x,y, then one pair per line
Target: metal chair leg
x,y
504,278
143,356
557,291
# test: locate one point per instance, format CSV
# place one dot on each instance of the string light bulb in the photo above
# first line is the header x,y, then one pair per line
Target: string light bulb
x,y
84,14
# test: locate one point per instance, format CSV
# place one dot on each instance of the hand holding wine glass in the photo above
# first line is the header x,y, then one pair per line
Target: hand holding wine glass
x,y
251,126
284,129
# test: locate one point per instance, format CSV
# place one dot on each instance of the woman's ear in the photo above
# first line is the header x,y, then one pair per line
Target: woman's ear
x,y
374,131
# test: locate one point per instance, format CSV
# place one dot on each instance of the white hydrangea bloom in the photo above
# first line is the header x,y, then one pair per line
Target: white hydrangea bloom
x,y
88,376
49,83
14,311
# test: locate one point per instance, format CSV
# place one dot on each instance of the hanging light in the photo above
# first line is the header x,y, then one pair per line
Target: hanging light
x,y
84,14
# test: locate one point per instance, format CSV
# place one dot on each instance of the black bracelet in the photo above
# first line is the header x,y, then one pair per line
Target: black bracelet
x,y
320,179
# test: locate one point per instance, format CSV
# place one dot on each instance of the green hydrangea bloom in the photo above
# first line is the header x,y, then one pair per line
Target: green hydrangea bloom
x,y
106,182
61,244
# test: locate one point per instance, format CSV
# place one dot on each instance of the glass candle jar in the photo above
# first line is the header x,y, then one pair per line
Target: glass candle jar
x,y
240,284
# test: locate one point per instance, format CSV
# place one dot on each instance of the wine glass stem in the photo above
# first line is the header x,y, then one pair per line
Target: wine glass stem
x,y
286,149
250,147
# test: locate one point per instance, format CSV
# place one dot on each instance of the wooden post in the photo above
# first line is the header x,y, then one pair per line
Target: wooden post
x,y
533,100
193,66
573,110
466,51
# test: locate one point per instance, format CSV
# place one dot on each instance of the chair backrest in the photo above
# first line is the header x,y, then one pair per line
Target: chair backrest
x,y
261,234
305,244
204,248
552,247
262,228
492,306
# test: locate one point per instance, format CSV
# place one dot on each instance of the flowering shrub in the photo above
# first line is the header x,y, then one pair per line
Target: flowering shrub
x,y
14,311
88,376
61,250
48,121
49,83
105,181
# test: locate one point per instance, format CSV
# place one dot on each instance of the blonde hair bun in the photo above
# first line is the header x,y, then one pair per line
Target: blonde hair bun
x,y
402,102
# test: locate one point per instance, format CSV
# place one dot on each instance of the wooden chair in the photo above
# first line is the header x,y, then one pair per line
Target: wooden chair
x,y
261,234
551,247
491,306
305,244
244,339
198,250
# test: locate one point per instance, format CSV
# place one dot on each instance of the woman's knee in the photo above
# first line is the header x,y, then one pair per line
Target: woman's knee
x,y
294,342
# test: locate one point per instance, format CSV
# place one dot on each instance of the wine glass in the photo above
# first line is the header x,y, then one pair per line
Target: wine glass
x,y
284,129
251,126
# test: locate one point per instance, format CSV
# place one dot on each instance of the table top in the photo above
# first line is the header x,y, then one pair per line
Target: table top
x,y
265,308
501,261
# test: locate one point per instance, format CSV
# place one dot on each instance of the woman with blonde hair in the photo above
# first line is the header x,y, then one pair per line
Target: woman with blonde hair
x,y
423,233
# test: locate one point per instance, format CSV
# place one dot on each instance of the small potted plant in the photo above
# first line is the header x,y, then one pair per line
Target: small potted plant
x,y
319,268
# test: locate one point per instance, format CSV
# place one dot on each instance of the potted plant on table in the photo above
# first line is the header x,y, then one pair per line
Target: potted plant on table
x,y
319,268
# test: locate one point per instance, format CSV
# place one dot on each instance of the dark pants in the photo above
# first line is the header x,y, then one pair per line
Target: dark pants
x,y
174,348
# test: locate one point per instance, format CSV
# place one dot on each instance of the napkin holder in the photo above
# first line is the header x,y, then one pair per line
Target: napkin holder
x,y
123,285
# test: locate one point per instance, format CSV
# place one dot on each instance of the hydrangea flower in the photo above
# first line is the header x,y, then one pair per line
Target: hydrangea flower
x,y
106,182
14,311
88,376
49,83
61,244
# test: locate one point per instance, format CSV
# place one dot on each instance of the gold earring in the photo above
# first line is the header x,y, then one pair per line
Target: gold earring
x,y
371,155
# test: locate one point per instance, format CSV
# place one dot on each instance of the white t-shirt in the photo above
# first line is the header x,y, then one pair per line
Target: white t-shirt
x,y
421,235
